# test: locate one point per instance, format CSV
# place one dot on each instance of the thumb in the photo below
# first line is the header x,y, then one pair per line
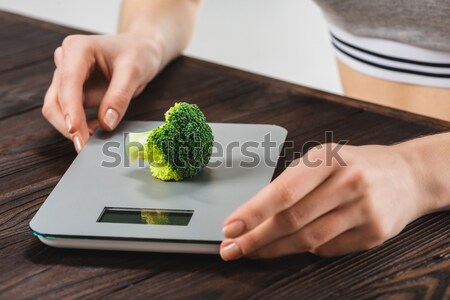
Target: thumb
x,y
121,90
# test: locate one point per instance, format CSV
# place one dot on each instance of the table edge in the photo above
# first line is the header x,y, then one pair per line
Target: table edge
x,y
371,107
327,96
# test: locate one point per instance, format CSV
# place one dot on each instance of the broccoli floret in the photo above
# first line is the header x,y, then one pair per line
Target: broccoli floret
x,y
155,217
179,148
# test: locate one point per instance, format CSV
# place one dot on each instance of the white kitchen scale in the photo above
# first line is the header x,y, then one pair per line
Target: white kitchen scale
x,y
105,202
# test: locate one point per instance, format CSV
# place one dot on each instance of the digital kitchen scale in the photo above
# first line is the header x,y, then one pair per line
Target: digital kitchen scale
x,y
105,202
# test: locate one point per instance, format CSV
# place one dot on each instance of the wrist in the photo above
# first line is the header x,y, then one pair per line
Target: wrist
x,y
430,188
153,45
152,33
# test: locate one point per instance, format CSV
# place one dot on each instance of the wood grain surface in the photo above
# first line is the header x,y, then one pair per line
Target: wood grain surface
x,y
33,157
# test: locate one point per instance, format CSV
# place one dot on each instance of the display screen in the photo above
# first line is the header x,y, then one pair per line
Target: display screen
x,y
145,216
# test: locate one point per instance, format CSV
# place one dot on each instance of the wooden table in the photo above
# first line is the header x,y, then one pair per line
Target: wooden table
x,y
415,264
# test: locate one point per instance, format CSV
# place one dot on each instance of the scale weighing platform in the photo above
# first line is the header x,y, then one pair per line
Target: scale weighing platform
x,y
105,202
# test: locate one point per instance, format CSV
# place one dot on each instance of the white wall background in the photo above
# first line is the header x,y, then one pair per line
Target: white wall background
x,y
284,39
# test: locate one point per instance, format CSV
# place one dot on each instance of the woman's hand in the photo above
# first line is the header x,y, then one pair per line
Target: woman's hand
x,y
98,71
108,71
319,205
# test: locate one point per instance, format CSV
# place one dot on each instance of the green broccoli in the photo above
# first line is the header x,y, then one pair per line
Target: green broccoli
x,y
179,148
155,217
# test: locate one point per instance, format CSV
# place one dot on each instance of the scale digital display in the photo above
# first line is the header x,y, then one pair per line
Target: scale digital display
x,y
145,216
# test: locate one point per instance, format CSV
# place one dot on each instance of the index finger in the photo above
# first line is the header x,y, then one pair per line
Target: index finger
x,y
75,68
292,185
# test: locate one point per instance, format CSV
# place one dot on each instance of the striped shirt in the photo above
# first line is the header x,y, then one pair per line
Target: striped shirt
x,y
406,41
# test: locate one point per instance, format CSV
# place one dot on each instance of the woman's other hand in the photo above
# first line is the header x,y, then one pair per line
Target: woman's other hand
x,y
98,71
332,206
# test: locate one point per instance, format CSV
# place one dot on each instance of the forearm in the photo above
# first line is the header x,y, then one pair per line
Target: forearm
x,y
429,159
168,23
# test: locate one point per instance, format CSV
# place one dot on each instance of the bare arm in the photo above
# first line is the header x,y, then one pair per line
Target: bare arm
x,y
171,22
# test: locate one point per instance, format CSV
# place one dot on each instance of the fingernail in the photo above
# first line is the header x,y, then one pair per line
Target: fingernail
x,y
111,118
68,121
234,229
231,252
77,143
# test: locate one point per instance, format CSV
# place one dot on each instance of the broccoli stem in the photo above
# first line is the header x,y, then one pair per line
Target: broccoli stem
x,y
136,146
